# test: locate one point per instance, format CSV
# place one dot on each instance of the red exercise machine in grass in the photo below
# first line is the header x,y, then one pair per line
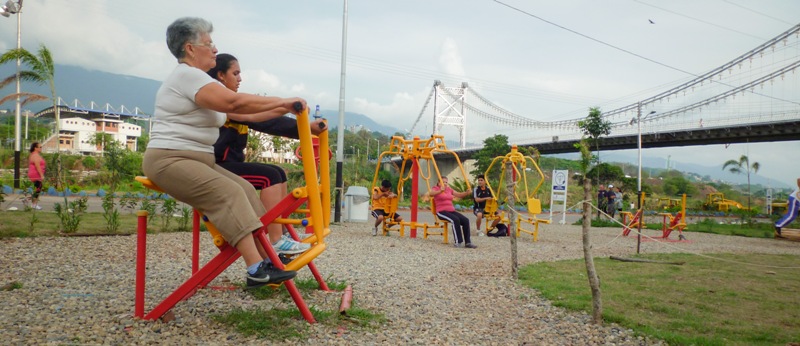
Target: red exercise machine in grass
x,y
669,223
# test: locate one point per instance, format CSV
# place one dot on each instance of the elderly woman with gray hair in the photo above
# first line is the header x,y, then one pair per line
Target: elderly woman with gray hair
x,y
189,109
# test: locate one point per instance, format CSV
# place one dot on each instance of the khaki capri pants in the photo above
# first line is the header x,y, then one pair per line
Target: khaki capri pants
x,y
230,202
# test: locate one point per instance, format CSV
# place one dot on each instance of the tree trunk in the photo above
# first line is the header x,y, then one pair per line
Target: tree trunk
x,y
512,217
594,281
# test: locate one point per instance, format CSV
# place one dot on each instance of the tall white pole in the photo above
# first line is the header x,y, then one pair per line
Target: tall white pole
x,y
337,215
639,178
639,142
17,118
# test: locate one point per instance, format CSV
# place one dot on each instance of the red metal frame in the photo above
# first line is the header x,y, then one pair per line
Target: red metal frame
x,y
203,276
626,229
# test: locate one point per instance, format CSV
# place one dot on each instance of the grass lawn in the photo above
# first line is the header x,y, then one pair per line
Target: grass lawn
x,y
707,301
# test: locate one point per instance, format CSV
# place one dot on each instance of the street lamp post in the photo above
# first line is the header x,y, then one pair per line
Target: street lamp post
x,y
337,210
12,7
638,121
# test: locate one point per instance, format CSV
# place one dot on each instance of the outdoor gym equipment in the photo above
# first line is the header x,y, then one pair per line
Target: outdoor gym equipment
x,y
716,200
314,195
521,166
676,222
412,151
630,220
669,224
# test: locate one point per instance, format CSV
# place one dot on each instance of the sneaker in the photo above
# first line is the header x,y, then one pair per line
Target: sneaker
x,y
458,244
302,236
470,246
285,260
778,230
268,274
38,207
375,231
290,247
480,234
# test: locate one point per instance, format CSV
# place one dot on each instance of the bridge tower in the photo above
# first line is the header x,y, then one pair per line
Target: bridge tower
x,y
449,109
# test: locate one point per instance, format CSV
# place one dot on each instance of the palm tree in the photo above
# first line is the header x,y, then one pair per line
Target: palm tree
x,y
42,71
742,166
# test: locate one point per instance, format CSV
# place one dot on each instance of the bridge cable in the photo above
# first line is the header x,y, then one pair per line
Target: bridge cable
x,y
703,77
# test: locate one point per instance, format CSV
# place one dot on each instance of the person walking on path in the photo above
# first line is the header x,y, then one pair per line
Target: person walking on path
x,y
36,165
611,204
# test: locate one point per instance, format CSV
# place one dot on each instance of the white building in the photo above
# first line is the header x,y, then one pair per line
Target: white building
x,y
79,126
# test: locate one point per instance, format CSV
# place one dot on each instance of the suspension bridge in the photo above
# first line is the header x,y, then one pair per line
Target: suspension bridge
x,y
752,98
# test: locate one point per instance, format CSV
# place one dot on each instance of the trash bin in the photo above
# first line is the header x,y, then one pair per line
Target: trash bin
x,y
356,204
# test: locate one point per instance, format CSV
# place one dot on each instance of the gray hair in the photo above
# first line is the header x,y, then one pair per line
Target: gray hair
x,y
186,29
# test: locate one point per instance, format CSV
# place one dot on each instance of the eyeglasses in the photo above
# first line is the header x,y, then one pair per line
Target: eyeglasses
x,y
210,45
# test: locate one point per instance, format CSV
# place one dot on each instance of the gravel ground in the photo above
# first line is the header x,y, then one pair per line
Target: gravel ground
x,y
81,290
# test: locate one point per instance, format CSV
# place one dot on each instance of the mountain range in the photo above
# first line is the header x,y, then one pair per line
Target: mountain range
x,y
76,83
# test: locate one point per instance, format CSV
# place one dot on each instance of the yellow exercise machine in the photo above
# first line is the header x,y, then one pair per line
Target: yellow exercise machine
x,y
317,209
412,151
522,167
716,200
669,223
630,220
676,222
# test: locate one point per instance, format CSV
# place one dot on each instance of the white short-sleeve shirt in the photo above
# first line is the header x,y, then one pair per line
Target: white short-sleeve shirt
x,y
178,122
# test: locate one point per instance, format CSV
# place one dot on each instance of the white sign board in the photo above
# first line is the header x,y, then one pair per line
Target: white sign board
x,y
558,194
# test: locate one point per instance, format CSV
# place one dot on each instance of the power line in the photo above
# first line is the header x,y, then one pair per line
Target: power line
x,y
699,20
756,12
594,39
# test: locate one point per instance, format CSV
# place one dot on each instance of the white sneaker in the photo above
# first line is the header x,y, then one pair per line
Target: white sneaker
x,y
37,207
290,247
480,234
302,236
374,231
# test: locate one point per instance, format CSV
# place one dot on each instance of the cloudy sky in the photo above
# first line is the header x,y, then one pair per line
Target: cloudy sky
x,y
545,60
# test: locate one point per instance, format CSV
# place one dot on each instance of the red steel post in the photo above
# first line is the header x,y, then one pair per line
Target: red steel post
x,y
195,241
414,195
141,253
